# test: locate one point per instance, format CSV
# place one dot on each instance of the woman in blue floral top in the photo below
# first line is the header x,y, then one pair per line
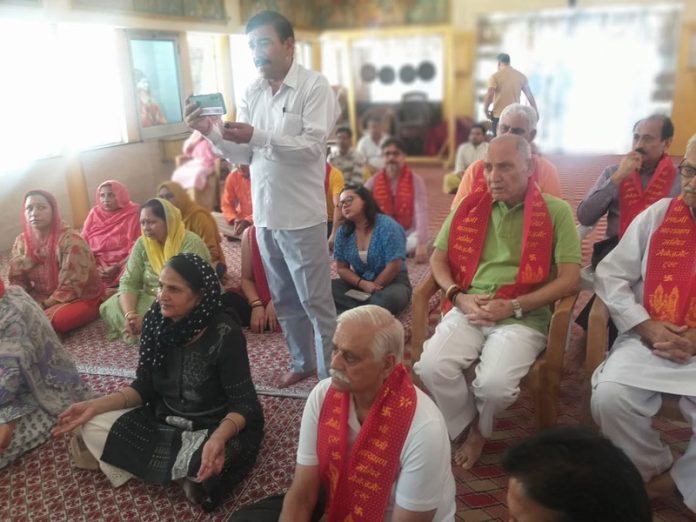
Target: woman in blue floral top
x,y
370,254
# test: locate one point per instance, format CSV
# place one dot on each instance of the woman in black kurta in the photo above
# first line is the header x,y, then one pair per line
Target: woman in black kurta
x,y
192,413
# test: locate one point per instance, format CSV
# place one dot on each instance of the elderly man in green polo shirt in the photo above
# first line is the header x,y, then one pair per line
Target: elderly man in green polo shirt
x,y
494,257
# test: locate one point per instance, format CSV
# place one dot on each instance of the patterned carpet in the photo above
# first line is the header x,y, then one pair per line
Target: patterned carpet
x,y
43,485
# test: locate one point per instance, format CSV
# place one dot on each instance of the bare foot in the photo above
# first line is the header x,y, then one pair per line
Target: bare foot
x,y
6,435
290,378
469,452
661,486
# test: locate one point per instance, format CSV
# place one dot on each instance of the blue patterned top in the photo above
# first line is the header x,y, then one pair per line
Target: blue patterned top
x,y
388,243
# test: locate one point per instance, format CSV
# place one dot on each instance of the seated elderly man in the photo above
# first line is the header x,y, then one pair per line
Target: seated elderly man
x,y
402,195
373,442
495,257
520,120
649,285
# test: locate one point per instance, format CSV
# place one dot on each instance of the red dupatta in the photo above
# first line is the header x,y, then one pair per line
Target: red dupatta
x,y
670,280
633,200
111,234
44,253
400,207
359,482
467,236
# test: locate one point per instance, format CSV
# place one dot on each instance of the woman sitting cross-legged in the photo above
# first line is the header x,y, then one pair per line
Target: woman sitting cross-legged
x,y
192,414
198,220
54,265
37,377
163,236
370,254
111,229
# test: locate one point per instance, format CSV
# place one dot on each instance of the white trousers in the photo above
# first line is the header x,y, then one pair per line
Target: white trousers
x,y
505,354
625,414
94,434
298,270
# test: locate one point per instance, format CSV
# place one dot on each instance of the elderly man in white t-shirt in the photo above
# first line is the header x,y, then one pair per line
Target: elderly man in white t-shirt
x,y
375,444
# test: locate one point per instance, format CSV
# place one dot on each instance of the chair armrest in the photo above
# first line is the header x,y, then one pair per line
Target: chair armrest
x,y
558,333
597,335
419,316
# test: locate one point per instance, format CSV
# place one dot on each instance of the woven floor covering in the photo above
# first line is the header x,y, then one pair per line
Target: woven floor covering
x,y
43,485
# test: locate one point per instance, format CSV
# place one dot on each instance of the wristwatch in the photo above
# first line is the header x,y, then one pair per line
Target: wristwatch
x,y
517,308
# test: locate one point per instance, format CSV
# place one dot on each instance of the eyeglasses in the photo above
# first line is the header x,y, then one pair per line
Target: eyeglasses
x,y
346,201
687,171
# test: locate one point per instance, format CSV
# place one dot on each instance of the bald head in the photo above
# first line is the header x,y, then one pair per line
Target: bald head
x,y
507,168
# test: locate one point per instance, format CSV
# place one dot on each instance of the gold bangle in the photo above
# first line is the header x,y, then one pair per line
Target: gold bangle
x,y
128,314
125,397
236,426
452,288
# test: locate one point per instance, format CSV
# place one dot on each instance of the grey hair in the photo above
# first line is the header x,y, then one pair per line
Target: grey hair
x,y
525,111
388,333
691,143
523,147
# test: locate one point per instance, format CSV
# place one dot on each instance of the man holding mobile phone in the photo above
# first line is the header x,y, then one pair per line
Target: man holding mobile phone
x,y
282,126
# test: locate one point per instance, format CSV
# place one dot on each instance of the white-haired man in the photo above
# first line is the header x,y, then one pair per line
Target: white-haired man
x,y
649,285
520,120
494,257
370,440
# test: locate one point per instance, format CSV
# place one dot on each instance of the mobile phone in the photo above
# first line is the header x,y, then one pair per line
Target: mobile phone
x,y
358,295
212,104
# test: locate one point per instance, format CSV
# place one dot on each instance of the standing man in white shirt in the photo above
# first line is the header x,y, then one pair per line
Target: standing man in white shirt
x,y
282,125
370,145
467,153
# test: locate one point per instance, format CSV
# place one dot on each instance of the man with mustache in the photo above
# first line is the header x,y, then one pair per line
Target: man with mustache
x,y
649,285
643,176
502,257
282,126
372,445
622,191
402,195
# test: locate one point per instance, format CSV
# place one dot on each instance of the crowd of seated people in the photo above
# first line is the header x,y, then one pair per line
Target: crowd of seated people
x,y
507,251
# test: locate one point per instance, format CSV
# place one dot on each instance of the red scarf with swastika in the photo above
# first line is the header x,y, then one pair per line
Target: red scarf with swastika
x,y
670,280
359,482
400,206
633,199
468,234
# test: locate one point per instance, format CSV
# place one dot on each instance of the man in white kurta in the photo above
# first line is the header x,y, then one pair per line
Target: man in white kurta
x,y
282,125
649,357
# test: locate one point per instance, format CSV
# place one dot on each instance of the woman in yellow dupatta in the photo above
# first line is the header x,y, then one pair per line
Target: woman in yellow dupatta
x,y
163,236
196,219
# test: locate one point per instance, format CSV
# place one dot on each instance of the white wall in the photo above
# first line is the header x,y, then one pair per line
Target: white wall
x,y
138,165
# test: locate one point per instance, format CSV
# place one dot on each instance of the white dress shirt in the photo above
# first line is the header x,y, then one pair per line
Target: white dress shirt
x,y
287,151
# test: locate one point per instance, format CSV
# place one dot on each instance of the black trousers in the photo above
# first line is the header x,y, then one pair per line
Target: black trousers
x,y
268,510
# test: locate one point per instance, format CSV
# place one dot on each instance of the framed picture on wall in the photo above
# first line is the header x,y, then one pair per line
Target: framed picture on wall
x,y
157,83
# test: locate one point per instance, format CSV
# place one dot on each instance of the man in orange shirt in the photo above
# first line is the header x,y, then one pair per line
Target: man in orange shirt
x,y
235,204
520,120
504,89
